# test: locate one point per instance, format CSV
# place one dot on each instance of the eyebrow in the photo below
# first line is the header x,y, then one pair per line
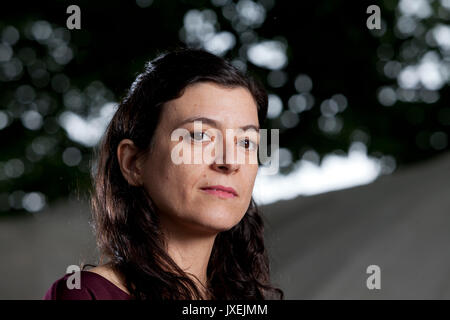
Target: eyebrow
x,y
215,123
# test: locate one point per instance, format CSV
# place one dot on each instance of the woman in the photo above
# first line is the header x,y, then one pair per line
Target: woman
x,y
176,230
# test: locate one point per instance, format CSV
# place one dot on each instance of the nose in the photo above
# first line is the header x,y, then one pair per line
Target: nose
x,y
225,167
226,162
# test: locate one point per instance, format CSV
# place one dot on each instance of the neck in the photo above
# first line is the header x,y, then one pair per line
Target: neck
x,y
191,250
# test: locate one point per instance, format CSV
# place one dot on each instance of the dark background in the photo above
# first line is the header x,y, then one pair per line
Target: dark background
x,y
46,70
326,40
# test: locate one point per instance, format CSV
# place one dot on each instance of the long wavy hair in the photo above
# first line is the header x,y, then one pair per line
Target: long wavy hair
x,y
125,219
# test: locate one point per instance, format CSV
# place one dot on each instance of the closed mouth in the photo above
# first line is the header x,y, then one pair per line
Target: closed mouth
x,y
227,192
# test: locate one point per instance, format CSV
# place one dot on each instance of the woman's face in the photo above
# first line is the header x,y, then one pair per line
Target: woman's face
x,y
176,189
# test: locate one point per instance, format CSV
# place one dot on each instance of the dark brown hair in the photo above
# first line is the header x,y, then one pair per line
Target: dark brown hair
x,y
125,221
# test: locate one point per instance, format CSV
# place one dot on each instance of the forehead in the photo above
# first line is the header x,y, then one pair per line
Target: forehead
x,y
233,107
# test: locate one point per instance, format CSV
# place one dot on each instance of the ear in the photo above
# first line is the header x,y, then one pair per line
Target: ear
x,y
129,162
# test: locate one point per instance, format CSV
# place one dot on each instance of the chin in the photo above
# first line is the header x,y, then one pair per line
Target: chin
x,y
212,218
219,224
218,229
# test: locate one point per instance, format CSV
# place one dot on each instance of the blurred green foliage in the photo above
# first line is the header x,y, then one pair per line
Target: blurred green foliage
x,y
331,80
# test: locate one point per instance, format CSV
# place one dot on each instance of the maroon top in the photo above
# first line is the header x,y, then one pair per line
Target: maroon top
x,y
93,287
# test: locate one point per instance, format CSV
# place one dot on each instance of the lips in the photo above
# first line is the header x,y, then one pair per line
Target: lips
x,y
222,191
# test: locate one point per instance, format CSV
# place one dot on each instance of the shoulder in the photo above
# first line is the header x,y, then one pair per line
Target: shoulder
x,y
112,276
84,285
65,288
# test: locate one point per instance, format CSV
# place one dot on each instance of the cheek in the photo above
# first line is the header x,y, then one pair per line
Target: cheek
x,y
158,174
181,178
170,185
250,174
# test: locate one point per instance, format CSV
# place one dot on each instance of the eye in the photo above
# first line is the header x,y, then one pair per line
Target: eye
x,y
198,136
248,144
